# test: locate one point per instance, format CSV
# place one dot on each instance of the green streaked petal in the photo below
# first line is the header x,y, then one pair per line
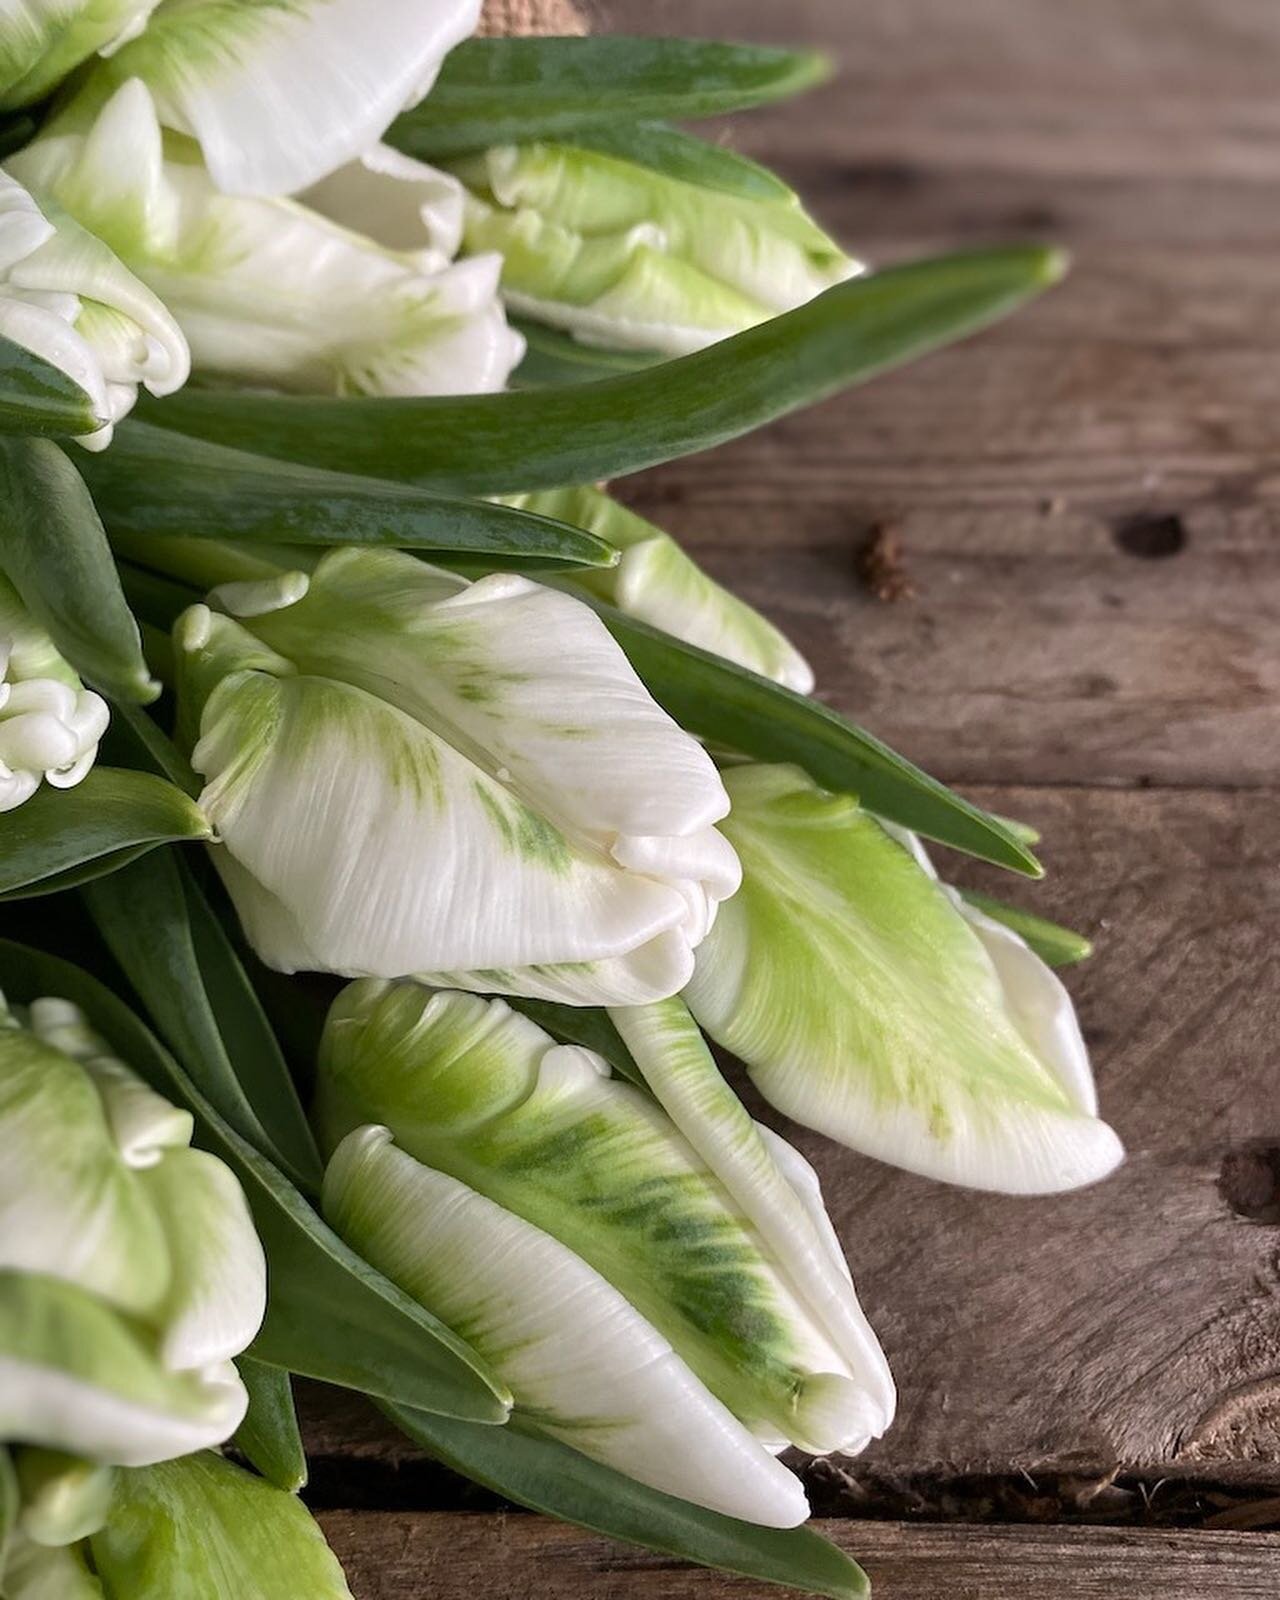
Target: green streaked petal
x,y
42,42
34,1572
64,1498
576,1355
866,1005
205,1529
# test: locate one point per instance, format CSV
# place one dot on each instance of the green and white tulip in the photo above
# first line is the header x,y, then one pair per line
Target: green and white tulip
x,y
658,583
663,1292
42,41
415,775
198,1528
270,292
130,1272
627,258
871,1003
50,724
280,93
67,298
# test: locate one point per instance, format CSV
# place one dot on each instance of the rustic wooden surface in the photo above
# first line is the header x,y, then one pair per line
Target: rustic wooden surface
x,y
1086,503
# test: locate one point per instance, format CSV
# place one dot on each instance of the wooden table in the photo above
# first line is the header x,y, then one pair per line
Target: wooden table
x,y
1086,506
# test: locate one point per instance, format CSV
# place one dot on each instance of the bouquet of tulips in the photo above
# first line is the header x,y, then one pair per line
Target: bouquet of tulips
x,y
323,652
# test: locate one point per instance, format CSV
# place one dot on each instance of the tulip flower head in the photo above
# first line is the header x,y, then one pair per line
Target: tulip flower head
x,y
67,298
413,774
269,291
869,1002
664,1295
50,724
628,258
130,1272
658,583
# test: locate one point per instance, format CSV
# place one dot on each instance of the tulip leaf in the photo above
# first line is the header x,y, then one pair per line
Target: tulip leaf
x,y
540,439
55,552
10,1501
269,1436
684,157
738,709
62,838
501,91
330,1316
535,1471
589,1026
552,357
1055,945
159,927
38,398
152,485
134,736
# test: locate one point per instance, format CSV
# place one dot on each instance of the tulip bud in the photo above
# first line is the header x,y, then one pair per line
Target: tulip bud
x,y
658,583
41,41
68,299
869,1002
412,774
628,258
666,1297
50,723
280,95
130,1272
267,291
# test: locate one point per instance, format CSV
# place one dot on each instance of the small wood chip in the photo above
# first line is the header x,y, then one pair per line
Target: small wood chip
x,y
881,566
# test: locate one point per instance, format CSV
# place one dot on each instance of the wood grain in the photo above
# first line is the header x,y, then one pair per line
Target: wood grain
x,y
455,1557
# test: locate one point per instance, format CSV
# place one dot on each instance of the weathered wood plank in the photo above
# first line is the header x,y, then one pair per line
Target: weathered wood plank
x,y
391,1556
1134,1324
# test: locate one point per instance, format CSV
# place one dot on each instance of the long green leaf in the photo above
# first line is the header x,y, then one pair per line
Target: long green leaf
x,y
269,1434
151,485
547,1476
64,837
37,398
500,91
732,707
330,1315
507,443
54,549
1054,944
157,924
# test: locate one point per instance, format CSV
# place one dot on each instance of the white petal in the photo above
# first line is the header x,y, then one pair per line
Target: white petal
x,y
278,96
218,1293
576,1355
401,203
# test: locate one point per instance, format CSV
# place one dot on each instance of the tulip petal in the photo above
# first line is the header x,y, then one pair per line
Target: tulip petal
x,y
76,1377
34,1572
401,203
309,779
281,95
44,40
658,583
779,1193
865,1004
218,1292
64,1498
205,1529
576,1355
552,1138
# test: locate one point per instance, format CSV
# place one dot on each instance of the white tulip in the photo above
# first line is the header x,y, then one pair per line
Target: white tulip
x,y
664,1293
68,299
270,292
50,724
411,774
130,1272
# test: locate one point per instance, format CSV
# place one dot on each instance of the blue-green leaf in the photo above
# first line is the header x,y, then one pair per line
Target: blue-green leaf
x,y
37,398
1054,944
269,1436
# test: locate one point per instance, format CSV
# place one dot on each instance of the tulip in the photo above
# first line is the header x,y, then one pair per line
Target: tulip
x,y
130,1273
411,774
627,258
50,723
270,292
280,95
658,583
68,299
41,41
870,1002
664,1295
